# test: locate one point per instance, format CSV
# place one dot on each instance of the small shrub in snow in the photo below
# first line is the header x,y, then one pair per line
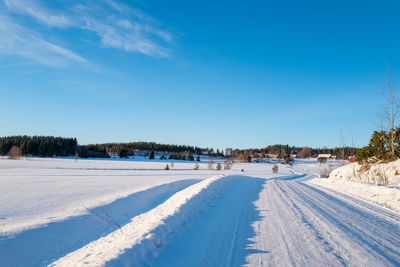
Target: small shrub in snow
x,y
325,172
196,167
365,167
275,168
167,167
288,159
228,164
322,160
219,167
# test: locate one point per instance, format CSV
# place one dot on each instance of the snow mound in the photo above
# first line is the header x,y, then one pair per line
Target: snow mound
x,y
140,239
378,173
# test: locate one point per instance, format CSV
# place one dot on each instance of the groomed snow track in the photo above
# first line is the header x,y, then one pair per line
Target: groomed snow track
x,y
256,221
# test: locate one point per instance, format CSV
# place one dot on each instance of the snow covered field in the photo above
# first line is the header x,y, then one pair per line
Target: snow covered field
x,y
60,212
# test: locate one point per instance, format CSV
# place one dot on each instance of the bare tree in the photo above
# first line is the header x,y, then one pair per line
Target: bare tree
x,y
391,109
342,147
353,144
305,152
14,152
211,162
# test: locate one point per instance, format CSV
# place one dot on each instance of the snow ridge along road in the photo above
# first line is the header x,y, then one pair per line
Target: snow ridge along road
x,y
148,231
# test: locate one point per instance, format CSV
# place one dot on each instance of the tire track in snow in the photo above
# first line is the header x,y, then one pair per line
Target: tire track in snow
x,y
321,236
300,231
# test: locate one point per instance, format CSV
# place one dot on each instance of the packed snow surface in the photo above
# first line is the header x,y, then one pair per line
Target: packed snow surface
x,y
135,213
387,196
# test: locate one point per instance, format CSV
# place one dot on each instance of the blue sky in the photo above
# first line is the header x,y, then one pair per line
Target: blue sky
x,y
206,73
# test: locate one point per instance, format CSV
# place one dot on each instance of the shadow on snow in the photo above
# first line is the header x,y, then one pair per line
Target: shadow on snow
x,y
42,245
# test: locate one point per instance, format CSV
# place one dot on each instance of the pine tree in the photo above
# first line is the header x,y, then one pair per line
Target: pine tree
x,y
151,155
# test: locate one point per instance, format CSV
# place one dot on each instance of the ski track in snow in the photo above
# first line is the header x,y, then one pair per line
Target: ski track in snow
x,y
254,218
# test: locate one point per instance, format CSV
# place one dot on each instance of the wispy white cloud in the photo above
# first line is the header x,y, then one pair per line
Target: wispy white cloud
x,y
21,41
116,25
39,12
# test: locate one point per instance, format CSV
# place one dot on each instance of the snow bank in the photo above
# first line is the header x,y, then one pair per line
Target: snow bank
x,y
367,182
148,231
378,173
382,195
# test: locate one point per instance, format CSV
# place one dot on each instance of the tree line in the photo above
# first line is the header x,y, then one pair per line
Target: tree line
x,y
130,148
40,146
50,146
302,152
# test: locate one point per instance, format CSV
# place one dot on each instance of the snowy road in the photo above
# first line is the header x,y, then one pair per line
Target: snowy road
x,y
289,224
254,218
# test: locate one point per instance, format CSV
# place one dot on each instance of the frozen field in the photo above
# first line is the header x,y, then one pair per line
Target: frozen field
x,y
60,212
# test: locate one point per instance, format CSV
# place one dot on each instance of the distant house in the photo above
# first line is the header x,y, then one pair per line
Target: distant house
x,y
327,156
352,159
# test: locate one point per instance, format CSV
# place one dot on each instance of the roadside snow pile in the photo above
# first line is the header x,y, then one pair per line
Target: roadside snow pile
x,y
382,195
379,182
378,173
146,233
